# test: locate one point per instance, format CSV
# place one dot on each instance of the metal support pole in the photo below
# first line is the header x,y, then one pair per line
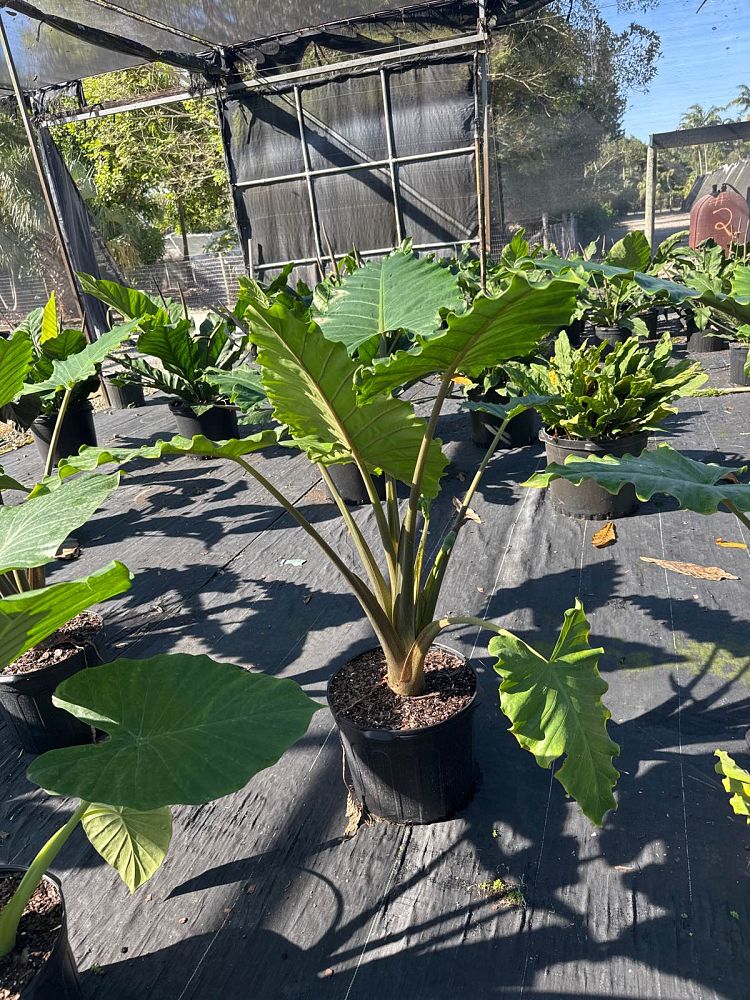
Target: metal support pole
x,y
391,154
43,180
481,132
651,164
308,179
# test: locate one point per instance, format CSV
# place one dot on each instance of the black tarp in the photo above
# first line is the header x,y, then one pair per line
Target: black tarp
x,y
345,126
76,226
55,41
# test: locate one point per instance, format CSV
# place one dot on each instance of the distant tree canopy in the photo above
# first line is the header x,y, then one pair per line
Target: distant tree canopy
x,y
151,169
560,85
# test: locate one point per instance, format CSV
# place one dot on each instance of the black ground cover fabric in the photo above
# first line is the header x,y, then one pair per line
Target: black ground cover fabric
x,y
263,897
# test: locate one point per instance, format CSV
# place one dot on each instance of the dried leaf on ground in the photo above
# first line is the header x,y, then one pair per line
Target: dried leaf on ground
x,y
690,569
730,545
469,514
606,535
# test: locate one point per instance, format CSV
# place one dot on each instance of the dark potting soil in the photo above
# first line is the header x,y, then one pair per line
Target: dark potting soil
x,y
37,934
359,692
79,632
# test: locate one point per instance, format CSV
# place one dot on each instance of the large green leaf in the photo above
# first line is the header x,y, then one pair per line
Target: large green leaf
x,y
495,329
26,619
633,252
15,361
70,371
310,385
31,532
134,843
556,709
400,292
131,303
91,458
182,729
699,486
736,781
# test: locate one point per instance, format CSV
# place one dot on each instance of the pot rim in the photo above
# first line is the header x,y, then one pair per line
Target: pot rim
x,y
418,731
6,678
581,443
61,940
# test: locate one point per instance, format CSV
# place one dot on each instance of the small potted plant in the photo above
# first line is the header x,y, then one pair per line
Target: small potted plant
x,y
185,353
164,718
603,404
492,387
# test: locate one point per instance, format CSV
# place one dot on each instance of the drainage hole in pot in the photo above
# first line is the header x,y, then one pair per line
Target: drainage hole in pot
x,y
37,934
359,692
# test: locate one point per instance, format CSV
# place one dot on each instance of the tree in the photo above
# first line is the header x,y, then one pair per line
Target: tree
x,y
166,164
560,83
27,246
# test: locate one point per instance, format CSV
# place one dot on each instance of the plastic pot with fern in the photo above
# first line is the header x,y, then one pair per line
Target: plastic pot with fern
x,y
405,707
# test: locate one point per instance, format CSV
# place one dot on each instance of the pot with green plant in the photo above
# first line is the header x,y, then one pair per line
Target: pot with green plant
x,y
71,425
185,353
164,718
603,404
409,700
492,388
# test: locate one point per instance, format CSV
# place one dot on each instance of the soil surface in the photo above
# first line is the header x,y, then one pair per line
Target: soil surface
x,y
359,692
37,933
80,632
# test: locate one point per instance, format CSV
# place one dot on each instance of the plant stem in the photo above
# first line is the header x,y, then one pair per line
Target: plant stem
x,y
57,431
10,917
377,579
465,503
376,615
738,513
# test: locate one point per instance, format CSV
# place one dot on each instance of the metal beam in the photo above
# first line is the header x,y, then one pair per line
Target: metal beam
x,y
727,132
36,157
374,60
651,164
440,154
392,163
308,176
381,252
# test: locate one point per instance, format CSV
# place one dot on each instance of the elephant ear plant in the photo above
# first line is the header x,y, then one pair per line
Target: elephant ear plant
x,y
181,730
336,411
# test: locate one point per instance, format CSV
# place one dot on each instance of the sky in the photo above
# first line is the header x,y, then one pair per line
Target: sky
x,y
705,57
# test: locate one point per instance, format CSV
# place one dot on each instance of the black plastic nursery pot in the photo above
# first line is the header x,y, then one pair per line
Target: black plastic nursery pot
x,y
521,430
651,319
124,397
217,424
612,336
349,482
57,979
26,703
77,430
737,362
412,776
590,501
700,342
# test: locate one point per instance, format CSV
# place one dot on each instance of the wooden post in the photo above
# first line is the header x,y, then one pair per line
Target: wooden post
x,y
651,164
545,230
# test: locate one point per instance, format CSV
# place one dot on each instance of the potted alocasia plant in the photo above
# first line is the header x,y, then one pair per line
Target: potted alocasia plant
x,y
180,729
186,354
63,372
603,404
408,699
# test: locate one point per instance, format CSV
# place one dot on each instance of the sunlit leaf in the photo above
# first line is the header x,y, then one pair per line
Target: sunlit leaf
x,y
134,843
182,730
556,709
